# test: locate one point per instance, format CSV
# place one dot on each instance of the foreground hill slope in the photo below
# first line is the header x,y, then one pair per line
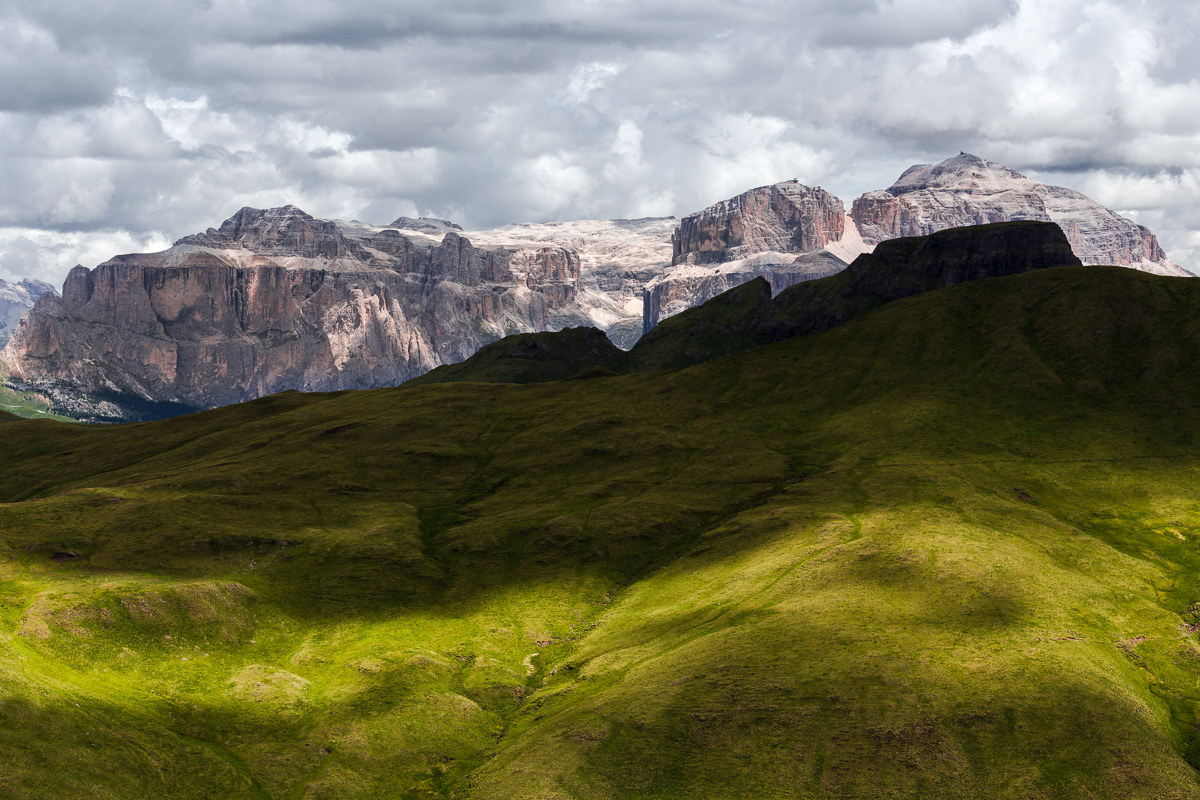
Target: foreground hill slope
x,y
946,550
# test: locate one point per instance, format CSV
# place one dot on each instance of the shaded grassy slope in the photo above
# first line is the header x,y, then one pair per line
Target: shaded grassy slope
x,y
945,551
534,358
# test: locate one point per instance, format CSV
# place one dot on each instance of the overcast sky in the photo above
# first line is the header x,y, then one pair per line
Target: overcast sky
x,y
127,124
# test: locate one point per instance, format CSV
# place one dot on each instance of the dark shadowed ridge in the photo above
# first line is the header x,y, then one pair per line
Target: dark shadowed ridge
x,y
533,358
747,316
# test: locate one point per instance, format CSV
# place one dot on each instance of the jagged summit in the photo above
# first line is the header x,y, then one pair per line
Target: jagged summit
x,y
285,231
248,219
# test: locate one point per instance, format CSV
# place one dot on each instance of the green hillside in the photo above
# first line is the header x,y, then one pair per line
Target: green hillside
x,y
947,550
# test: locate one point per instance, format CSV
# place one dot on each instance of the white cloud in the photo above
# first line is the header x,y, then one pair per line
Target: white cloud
x,y
153,125
48,256
589,78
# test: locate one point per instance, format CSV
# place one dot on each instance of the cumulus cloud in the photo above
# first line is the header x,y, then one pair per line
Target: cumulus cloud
x,y
123,126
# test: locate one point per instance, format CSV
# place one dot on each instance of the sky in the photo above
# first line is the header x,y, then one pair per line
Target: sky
x,y
127,124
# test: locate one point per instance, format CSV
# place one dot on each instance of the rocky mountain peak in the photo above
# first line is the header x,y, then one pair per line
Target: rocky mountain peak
x,y
969,190
283,231
786,217
425,225
963,171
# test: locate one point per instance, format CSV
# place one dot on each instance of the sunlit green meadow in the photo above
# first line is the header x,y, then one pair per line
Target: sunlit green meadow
x,y
949,550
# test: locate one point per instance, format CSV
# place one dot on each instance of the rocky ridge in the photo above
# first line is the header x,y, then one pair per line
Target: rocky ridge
x,y
789,233
780,233
748,315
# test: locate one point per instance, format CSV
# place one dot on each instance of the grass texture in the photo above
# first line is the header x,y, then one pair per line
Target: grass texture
x,y
946,551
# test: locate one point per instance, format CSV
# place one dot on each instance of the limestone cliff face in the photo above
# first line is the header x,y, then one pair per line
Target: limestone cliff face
x,y
275,299
16,299
777,232
787,217
968,190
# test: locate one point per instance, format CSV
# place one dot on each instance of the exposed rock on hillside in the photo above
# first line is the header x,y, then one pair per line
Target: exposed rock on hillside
x,y
777,232
747,316
785,218
276,300
968,190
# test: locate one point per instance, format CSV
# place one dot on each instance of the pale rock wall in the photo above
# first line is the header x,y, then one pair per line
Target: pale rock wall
x,y
312,306
968,190
16,299
787,217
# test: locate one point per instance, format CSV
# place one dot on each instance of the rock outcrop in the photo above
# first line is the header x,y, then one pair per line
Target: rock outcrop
x,y
969,190
748,316
787,217
16,299
777,232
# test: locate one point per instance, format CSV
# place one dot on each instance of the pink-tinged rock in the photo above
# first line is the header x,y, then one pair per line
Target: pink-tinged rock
x,y
276,300
787,217
968,190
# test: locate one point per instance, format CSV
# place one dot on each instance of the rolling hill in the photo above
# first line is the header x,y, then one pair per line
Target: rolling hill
x,y
946,550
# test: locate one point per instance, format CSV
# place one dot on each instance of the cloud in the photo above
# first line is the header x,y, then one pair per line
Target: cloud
x,y
124,124
39,75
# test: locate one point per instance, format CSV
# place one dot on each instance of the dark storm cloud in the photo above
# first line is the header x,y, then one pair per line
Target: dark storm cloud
x,y
127,124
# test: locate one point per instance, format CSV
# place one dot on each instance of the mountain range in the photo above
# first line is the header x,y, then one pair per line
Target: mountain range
x,y
749,316
277,299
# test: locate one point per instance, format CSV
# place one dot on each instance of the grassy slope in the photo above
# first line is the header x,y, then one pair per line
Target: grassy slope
x,y
944,551
533,358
